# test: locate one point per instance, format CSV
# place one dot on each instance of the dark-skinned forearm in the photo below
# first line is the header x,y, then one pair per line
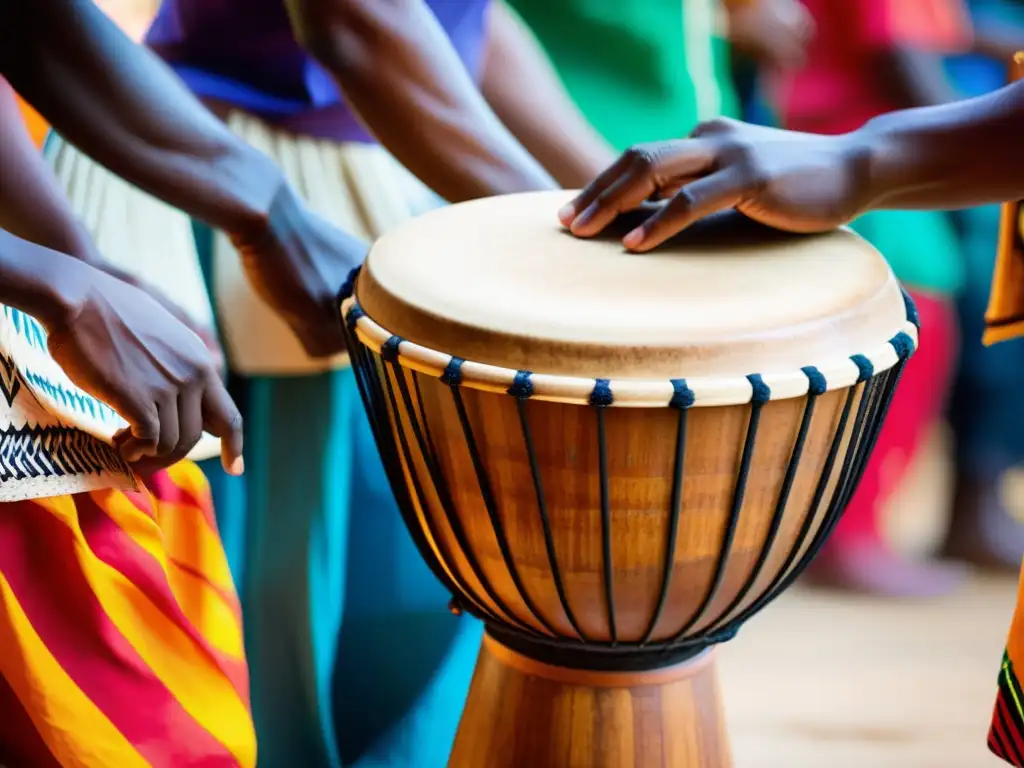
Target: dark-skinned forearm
x,y
958,155
121,105
32,204
523,89
401,75
41,282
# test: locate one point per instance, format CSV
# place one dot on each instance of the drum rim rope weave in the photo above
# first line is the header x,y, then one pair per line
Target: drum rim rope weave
x,y
877,385
838,373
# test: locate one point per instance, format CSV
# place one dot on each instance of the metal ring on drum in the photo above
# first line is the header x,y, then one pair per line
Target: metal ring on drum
x,y
616,460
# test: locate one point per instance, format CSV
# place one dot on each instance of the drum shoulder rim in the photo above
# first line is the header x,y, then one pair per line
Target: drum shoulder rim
x,y
816,377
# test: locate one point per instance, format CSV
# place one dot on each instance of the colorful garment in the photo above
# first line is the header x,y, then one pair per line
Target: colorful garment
x,y
639,71
838,90
985,410
1006,737
244,53
354,657
120,632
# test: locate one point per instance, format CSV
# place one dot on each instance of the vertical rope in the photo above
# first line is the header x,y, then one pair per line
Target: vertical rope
x,y
600,398
817,386
760,395
389,354
521,390
682,400
484,484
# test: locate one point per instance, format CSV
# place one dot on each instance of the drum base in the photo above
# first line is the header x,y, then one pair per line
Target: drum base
x,y
523,712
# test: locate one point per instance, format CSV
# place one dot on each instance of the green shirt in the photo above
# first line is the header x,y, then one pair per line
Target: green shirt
x,y
641,70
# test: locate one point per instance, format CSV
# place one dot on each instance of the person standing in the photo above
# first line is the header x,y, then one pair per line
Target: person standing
x,y
963,154
376,111
985,411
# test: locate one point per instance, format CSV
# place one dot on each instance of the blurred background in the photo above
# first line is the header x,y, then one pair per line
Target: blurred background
x,y
888,655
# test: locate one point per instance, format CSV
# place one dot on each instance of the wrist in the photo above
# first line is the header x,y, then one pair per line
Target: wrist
x,y
49,285
884,166
254,183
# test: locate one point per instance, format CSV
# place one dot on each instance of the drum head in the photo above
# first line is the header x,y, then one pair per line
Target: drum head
x,y
499,281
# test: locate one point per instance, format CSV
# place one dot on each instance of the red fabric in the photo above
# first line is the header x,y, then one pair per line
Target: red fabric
x,y
916,407
840,88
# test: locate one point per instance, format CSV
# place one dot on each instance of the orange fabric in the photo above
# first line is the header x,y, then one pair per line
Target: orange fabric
x,y
1004,319
37,126
120,632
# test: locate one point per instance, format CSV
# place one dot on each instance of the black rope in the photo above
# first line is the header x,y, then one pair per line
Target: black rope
x,y
682,400
484,484
384,438
444,554
875,393
841,493
521,389
817,386
775,587
600,398
761,394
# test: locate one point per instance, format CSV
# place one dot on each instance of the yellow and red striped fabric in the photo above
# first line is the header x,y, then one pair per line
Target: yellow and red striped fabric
x,y
120,632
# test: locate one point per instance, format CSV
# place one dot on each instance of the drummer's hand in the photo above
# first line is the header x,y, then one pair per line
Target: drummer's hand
x,y
206,335
775,32
120,345
298,265
793,181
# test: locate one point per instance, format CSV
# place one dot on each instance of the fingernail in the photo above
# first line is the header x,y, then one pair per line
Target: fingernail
x,y
634,238
584,218
566,213
237,467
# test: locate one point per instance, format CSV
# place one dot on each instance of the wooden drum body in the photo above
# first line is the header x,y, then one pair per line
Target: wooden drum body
x,y
615,460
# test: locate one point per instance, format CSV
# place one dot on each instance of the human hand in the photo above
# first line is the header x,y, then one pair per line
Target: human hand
x,y
793,181
298,265
122,346
205,334
774,32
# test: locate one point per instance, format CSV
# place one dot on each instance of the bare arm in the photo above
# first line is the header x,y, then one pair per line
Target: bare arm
x,y
523,89
32,205
953,156
398,70
36,280
120,104
961,154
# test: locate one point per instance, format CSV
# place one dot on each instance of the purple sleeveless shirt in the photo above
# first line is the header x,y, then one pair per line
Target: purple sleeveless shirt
x,y
243,52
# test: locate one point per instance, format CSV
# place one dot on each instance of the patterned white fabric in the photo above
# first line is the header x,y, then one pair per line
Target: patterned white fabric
x,y
54,438
358,187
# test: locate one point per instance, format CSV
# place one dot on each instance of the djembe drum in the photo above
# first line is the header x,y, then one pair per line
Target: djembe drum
x,y
614,460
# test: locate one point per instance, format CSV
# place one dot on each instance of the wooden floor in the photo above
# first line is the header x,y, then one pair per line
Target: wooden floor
x,y
820,680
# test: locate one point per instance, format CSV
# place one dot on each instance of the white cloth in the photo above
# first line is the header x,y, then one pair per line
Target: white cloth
x,y
358,187
54,438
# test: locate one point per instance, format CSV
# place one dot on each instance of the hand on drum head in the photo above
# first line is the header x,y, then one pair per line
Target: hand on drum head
x,y
298,265
122,346
792,181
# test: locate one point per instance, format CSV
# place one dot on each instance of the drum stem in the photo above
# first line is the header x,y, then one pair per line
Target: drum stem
x,y
522,712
